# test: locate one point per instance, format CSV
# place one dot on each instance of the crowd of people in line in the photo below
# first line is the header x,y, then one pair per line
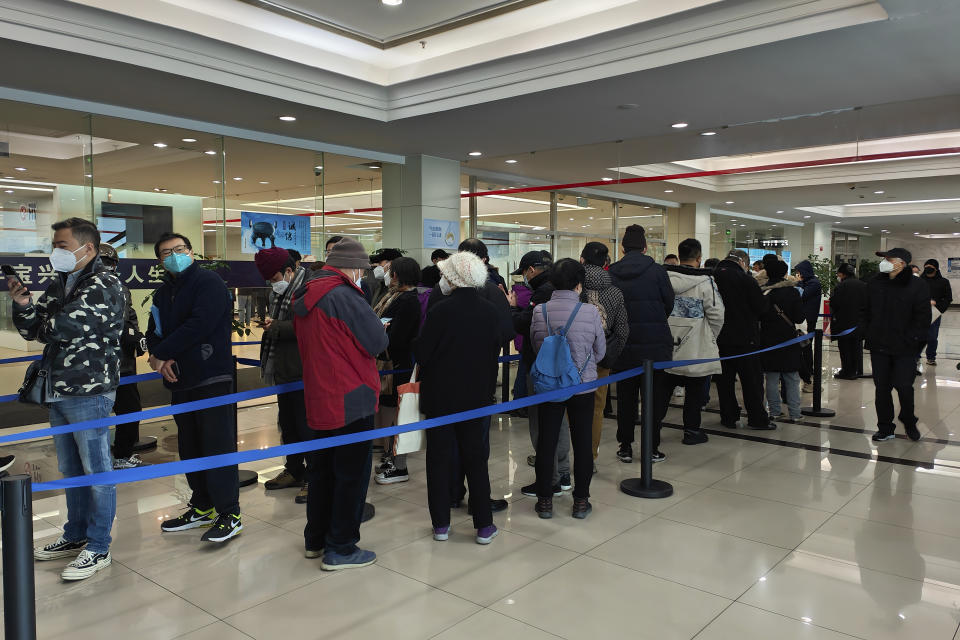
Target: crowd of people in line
x,y
352,326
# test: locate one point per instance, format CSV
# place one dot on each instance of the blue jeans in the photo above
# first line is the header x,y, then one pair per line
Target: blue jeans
x,y
791,384
90,510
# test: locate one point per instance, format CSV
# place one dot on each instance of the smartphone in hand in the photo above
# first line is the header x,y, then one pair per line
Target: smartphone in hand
x,y
12,277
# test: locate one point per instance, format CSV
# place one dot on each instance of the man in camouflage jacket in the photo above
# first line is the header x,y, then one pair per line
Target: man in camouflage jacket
x,y
79,319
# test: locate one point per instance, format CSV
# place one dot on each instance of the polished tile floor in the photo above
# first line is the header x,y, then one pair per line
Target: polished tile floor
x,y
811,531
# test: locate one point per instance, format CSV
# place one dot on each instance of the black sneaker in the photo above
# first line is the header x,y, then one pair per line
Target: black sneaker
x,y
544,508
386,463
912,432
625,453
581,508
192,518
85,565
880,436
226,526
565,484
531,490
694,437
658,456
770,426
6,462
496,506
62,548
392,476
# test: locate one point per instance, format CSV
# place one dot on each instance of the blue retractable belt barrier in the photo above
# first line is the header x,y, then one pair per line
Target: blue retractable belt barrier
x,y
212,462
32,358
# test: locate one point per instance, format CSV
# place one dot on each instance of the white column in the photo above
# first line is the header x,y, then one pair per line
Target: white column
x,y
691,221
822,239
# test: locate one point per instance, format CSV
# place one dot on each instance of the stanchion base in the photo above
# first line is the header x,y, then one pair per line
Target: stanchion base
x,y
368,512
247,478
818,413
657,489
145,444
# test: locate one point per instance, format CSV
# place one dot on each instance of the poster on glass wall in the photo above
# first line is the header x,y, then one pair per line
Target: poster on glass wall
x,y
441,234
266,230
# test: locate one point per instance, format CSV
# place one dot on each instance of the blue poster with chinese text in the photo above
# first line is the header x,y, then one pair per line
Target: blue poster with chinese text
x,y
266,230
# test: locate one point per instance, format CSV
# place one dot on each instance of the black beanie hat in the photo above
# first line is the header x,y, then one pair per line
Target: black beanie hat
x,y
634,238
933,262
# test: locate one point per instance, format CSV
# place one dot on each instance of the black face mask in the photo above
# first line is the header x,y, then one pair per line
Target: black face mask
x,y
929,271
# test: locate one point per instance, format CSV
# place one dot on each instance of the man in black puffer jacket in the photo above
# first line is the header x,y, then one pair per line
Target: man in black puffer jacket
x,y
846,306
648,297
941,295
895,322
743,304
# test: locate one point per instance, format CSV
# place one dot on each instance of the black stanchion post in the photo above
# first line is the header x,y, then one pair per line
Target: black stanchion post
x,y
245,476
19,595
816,410
505,381
645,486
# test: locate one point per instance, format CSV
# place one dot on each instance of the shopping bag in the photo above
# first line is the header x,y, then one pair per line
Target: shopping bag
x,y
409,413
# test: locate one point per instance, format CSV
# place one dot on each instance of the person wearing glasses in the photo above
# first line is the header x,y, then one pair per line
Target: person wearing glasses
x,y
188,338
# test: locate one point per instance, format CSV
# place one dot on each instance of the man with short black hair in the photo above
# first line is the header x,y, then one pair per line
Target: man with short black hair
x,y
847,302
188,338
332,240
895,322
430,276
671,259
79,318
478,247
941,295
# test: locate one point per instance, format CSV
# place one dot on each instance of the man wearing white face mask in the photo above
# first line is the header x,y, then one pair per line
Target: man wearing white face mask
x,y
895,322
79,319
280,361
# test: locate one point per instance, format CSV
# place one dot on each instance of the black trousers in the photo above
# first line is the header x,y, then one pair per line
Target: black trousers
x,y
458,476
127,435
694,397
468,438
579,411
751,386
806,361
893,372
338,478
209,432
292,418
851,354
628,397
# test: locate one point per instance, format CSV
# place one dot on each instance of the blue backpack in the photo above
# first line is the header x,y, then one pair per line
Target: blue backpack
x,y
554,367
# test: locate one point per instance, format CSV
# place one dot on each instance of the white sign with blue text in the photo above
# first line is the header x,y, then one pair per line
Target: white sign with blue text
x,y
441,234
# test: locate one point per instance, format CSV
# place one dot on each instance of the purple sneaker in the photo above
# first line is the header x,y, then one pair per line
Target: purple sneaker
x,y
441,533
485,535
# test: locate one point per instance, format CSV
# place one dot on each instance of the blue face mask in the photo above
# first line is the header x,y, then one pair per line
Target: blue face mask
x,y
177,262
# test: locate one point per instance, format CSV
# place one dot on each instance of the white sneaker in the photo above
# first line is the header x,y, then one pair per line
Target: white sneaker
x,y
807,387
128,463
85,565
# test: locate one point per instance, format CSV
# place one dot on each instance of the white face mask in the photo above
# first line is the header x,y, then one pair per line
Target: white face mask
x,y
280,287
886,266
379,272
63,260
445,286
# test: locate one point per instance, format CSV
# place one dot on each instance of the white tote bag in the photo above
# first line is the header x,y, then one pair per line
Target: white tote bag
x,y
409,413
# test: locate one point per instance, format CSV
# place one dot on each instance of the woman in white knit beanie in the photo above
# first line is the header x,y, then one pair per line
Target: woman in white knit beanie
x,y
463,270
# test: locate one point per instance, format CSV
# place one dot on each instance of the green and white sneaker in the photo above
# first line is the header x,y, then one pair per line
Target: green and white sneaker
x,y
192,518
62,548
85,565
226,526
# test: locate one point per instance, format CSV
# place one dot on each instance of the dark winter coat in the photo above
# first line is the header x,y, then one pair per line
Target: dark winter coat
x,y
339,337
897,316
523,316
281,338
774,329
195,313
404,314
812,294
81,331
847,302
457,352
743,304
648,297
598,289
940,290
493,294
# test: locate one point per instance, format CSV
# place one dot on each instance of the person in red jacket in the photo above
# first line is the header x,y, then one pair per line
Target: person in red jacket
x,y
339,337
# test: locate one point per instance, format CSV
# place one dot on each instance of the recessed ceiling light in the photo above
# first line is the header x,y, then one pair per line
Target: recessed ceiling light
x,y
708,133
156,189
836,222
188,139
878,192
607,179
264,182
679,125
210,153
510,161
668,190
779,210
238,178
19,168
392,3
916,233
571,219
866,227
160,145
88,175
728,202
805,217
216,182
475,153
287,118
8,191
733,220
319,167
